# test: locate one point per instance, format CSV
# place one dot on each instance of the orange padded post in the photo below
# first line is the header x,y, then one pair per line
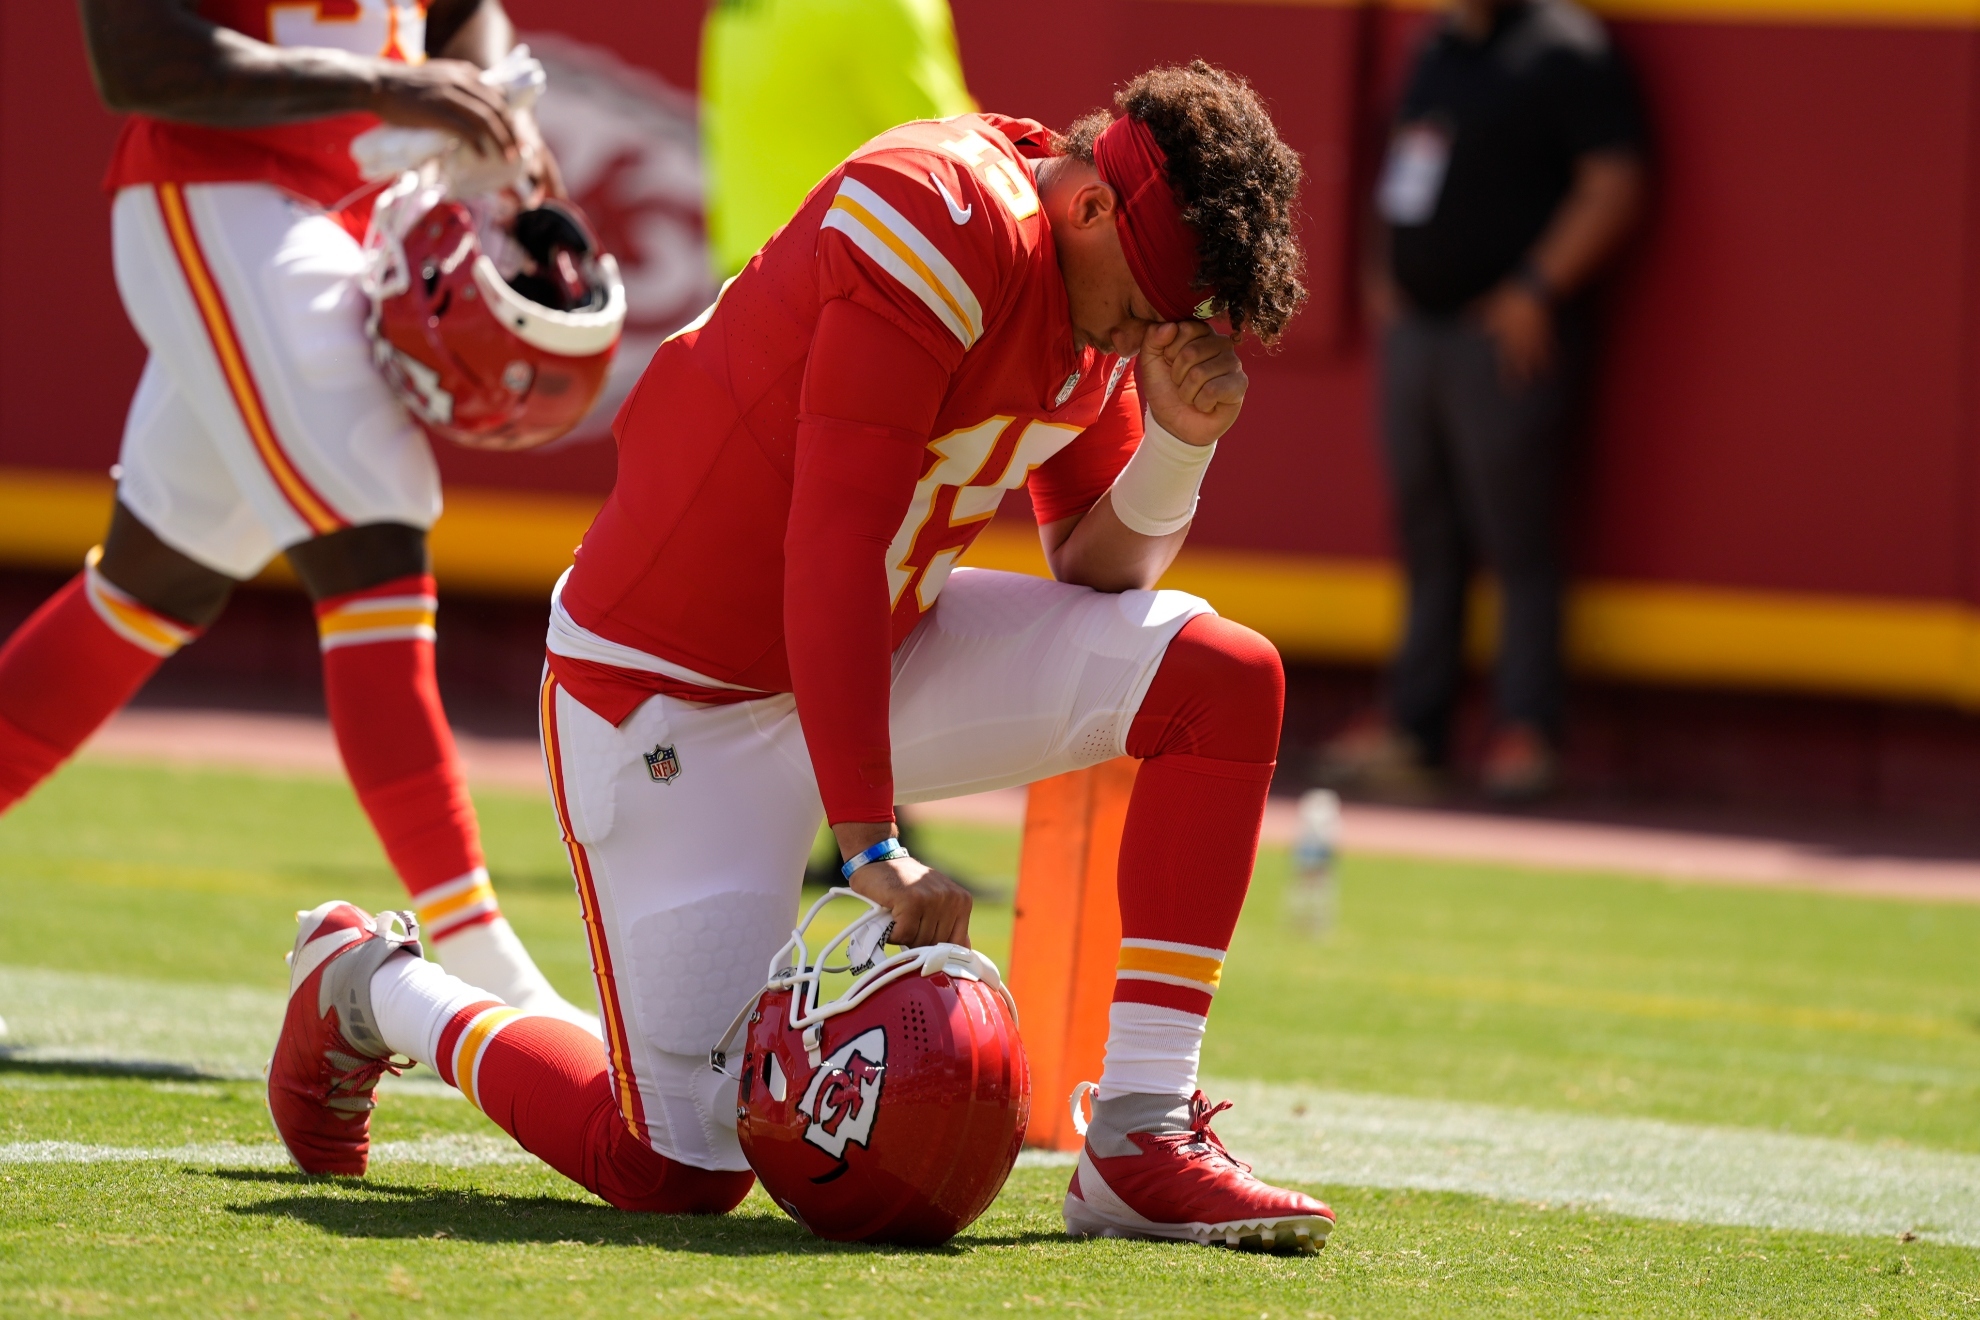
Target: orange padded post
x,y
1067,935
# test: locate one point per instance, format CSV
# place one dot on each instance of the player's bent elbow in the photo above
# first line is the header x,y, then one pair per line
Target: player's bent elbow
x,y
128,89
114,86
1113,565
1109,579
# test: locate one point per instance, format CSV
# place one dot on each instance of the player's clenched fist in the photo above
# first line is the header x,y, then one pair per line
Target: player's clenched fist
x,y
1192,379
448,95
927,906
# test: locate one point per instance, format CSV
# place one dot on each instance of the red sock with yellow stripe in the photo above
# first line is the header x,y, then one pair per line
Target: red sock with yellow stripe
x,y
1208,736
384,700
385,708
545,1082
83,654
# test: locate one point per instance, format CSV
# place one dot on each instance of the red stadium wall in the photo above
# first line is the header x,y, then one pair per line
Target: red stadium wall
x,y
1780,483
1785,406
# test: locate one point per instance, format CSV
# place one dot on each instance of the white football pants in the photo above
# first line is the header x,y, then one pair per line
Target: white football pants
x,y
260,421
690,884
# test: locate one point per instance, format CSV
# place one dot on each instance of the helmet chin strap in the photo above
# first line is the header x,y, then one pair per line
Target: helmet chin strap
x,y
863,938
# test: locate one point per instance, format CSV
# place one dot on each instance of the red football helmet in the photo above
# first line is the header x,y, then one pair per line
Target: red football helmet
x,y
484,360
894,1112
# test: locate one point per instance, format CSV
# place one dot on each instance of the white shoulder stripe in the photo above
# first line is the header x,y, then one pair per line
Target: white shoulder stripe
x,y
898,248
888,260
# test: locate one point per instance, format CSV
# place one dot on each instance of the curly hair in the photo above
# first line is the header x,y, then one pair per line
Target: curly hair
x,y
1236,180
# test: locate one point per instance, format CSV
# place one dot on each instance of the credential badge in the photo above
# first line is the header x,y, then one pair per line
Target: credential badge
x,y
664,764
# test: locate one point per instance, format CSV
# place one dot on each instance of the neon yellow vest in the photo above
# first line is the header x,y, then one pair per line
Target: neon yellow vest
x,y
790,87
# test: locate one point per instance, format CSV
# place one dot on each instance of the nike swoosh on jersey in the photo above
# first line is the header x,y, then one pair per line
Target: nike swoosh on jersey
x,y
893,244
959,214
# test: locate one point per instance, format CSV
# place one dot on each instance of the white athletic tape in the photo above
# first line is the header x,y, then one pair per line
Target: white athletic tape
x,y
1155,494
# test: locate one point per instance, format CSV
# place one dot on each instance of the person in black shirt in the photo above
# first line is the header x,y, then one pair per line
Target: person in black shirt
x,y
1515,170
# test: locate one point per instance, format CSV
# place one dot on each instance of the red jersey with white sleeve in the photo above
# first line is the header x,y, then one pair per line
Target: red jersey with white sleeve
x,y
800,469
311,159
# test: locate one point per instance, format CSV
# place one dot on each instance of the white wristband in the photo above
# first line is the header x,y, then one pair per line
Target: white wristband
x,y
1155,494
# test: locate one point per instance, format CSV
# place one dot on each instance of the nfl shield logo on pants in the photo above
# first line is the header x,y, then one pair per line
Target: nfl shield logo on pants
x,y
663,764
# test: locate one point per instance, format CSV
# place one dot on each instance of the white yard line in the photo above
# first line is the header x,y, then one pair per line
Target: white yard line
x,y
457,1152
1297,1133
1624,1166
1627,1166
167,1027
223,1030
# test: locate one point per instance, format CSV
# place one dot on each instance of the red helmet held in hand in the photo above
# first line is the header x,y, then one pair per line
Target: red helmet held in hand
x,y
496,327
894,1112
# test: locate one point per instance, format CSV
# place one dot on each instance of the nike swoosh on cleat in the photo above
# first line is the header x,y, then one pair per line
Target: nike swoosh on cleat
x,y
317,952
959,214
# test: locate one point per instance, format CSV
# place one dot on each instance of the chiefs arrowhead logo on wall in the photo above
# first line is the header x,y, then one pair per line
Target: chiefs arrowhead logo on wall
x,y
630,151
844,1095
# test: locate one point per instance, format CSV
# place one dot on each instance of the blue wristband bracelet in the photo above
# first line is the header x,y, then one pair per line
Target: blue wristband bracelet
x,y
884,851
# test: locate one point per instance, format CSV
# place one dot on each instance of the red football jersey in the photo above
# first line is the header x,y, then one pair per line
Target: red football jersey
x,y
933,233
311,159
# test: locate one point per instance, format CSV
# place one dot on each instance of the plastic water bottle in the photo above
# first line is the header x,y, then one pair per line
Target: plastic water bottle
x,y
1315,900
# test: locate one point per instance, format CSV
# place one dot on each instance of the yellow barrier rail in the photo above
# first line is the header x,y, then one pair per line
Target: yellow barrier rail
x,y
496,541
1313,608
1350,609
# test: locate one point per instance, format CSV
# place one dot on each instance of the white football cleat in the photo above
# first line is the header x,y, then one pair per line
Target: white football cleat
x,y
330,1056
1152,1168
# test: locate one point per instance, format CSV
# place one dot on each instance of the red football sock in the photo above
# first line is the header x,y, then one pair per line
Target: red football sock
x,y
384,704
1208,736
545,1083
84,653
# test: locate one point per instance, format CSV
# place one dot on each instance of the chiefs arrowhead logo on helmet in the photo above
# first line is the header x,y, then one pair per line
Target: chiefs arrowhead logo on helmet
x,y
894,1112
482,358
844,1094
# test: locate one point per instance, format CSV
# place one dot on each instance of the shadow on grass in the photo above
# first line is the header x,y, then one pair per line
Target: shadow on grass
x,y
143,1069
399,1210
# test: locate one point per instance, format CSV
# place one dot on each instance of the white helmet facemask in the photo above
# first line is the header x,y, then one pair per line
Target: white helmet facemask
x,y
862,942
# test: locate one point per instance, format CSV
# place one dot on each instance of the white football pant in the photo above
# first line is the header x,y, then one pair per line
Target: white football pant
x,y
690,884
260,421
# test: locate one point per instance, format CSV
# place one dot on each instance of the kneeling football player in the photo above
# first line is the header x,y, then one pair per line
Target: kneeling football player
x,y
766,623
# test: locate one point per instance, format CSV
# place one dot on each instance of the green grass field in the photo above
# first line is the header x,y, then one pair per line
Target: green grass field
x,y
1665,1092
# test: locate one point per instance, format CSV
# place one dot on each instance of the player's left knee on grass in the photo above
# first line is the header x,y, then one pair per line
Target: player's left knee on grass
x,y
1219,693
637,1177
545,1082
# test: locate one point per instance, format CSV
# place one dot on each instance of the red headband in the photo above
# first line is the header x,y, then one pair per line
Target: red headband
x,y
1161,249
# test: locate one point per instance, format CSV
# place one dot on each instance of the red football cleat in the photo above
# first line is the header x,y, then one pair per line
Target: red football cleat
x,y
330,1056
1158,1179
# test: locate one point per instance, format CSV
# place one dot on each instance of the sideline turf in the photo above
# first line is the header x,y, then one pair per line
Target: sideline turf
x,y
1817,1014
1828,1015
1834,1016
518,1241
